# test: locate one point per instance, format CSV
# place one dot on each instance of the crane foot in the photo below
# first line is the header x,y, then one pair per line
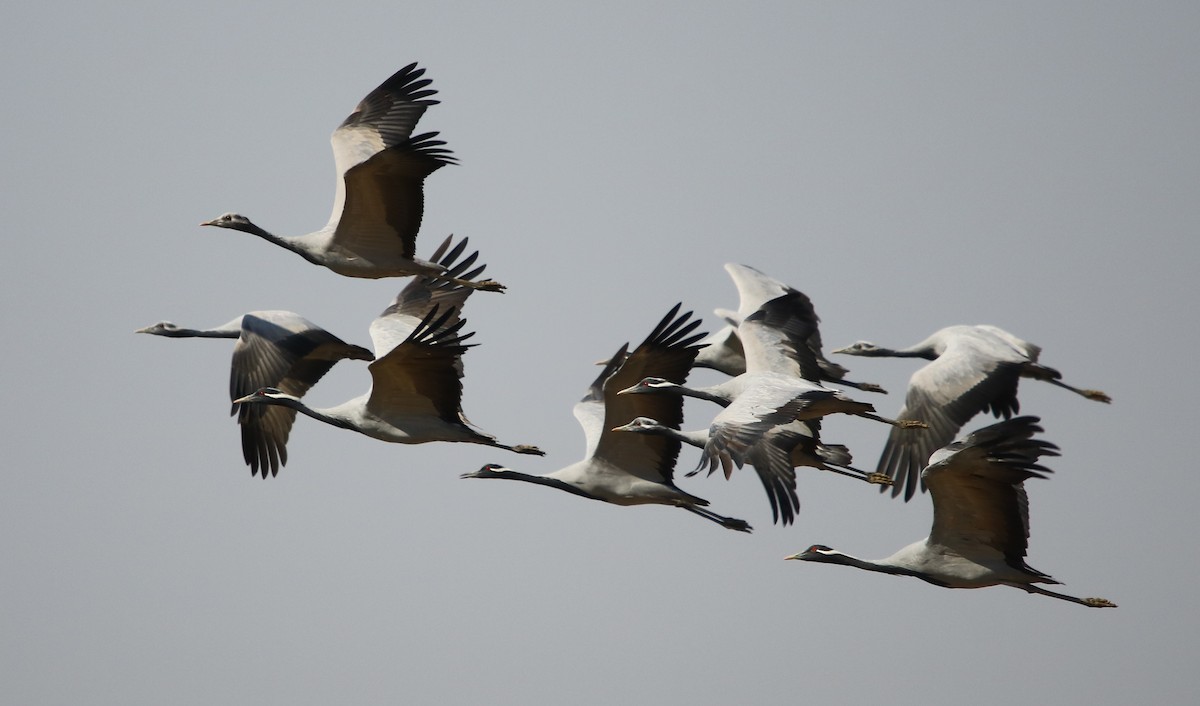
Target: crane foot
x,y
1099,603
880,479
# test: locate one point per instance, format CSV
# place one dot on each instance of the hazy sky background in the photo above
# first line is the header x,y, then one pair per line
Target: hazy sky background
x,y
907,165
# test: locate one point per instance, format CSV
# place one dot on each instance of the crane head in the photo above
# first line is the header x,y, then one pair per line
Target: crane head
x,y
162,328
817,552
649,384
639,424
488,470
263,394
236,221
858,348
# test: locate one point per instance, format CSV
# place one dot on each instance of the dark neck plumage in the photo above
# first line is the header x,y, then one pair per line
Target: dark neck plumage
x,y
540,480
868,565
317,414
200,333
920,351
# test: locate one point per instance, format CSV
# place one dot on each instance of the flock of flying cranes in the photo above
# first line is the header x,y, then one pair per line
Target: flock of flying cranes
x,y
772,403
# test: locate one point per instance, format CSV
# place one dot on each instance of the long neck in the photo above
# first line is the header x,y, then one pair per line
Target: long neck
x,y
201,333
882,566
295,244
921,350
697,437
712,394
321,415
540,480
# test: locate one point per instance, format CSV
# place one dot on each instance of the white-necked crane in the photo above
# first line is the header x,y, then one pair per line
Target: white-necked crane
x,y
980,530
631,469
972,369
416,379
377,207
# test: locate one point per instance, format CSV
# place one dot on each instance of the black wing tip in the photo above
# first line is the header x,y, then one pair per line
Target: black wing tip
x,y
427,145
408,85
673,329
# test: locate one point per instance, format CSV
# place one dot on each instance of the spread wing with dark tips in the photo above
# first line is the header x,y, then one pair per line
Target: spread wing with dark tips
x,y
775,337
977,488
423,293
385,118
421,376
285,351
668,353
381,168
385,197
773,466
945,394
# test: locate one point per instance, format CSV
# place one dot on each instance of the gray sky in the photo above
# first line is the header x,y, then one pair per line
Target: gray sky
x,y
908,166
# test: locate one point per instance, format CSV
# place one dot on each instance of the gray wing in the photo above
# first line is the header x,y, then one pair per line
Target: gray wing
x,y
945,394
723,349
754,287
771,459
282,350
589,411
976,484
775,337
762,406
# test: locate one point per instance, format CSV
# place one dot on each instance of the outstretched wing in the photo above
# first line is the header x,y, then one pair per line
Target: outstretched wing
x,y
421,376
976,484
282,350
422,294
945,394
381,167
384,198
668,353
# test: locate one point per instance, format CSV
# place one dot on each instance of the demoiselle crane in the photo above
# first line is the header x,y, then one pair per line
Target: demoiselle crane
x,y
772,391
416,378
631,469
773,459
973,369
980,530
723,350
377,207
278,349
